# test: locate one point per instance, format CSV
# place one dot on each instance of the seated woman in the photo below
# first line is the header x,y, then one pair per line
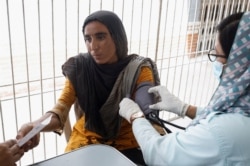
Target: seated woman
x,y
97,81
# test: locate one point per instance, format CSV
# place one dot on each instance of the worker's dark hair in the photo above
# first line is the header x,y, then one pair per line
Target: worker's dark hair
x,y
227,29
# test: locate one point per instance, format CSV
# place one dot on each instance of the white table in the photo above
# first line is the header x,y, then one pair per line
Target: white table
x,y
91,155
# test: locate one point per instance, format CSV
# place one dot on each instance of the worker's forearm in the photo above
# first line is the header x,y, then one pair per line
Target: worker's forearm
x,y
191,112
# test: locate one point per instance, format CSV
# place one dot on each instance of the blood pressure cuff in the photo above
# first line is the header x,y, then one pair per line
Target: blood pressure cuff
x,y
144,99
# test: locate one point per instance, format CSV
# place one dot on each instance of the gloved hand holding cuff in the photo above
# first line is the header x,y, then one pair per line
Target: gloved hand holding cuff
x,y
168,102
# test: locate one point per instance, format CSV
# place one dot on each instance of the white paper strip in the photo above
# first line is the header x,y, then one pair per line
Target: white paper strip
x,y
34,131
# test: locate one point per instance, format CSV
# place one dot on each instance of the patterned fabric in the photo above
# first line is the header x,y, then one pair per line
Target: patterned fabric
x,y
233,92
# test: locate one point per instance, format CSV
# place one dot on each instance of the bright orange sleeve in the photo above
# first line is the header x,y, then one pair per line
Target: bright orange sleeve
x,y
146,75
68,94
65,102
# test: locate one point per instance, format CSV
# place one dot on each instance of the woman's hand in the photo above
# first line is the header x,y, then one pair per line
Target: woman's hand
x,y
33,142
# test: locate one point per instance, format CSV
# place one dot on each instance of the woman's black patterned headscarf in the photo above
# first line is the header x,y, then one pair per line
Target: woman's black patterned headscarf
x,y
115,27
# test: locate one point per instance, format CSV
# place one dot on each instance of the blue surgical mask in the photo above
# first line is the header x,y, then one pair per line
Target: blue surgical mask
x,y
217,68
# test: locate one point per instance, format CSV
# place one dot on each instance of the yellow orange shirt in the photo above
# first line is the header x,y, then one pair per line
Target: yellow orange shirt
x,y
80,136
